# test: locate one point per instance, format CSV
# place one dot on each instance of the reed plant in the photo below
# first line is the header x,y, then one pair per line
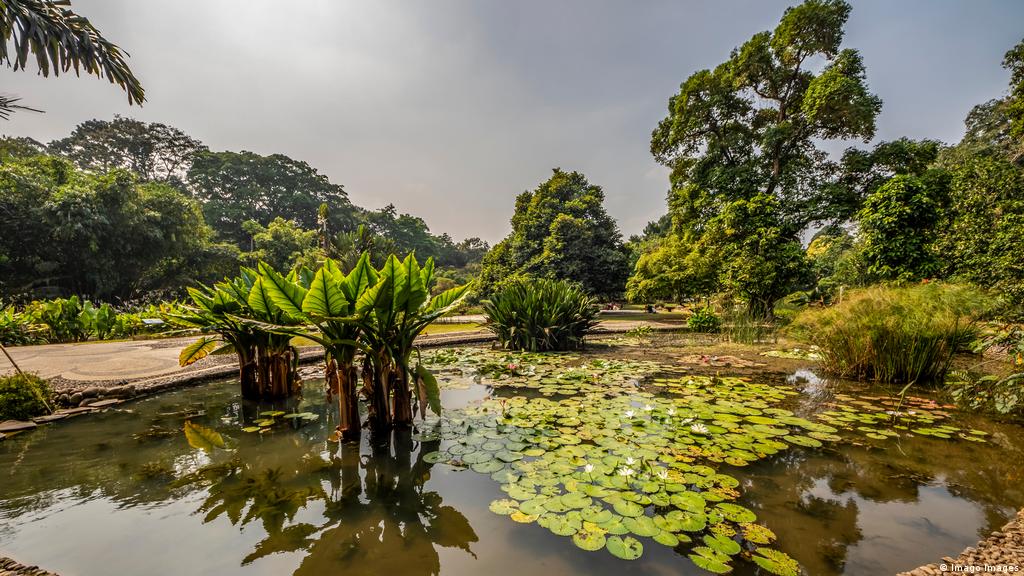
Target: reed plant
x,y
902,335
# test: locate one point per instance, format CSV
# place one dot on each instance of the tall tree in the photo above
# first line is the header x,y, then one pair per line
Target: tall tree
x,y
60,41
235,187
742,142
155,152
561,231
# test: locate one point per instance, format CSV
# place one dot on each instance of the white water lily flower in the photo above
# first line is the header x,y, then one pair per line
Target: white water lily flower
x,y
648,407
671,412
588,468
687,420
630,461
626,471
629,413
699,428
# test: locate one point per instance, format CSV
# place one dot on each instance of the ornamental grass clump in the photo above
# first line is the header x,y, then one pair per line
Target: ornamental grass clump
x,y
903,335
541,316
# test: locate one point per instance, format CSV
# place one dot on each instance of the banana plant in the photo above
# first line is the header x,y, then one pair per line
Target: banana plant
x,y
392,313
328,304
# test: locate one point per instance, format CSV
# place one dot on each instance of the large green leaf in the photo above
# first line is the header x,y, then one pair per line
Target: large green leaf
x,y
259,299
197,350
410,293
446,300
325,297
429,390
286,294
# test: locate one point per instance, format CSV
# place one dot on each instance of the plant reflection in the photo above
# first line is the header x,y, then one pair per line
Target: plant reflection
x,y
377,517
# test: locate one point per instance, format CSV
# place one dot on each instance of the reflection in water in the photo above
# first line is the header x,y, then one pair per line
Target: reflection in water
x,y
373,505
122,493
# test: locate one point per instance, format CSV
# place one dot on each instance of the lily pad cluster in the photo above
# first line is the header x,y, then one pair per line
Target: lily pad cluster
x,y
620,460
623,472
267,420
549,374
881,418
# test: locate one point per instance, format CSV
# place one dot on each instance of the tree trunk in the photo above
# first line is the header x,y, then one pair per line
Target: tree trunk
x,y
402,400
348,403
247,375
375,383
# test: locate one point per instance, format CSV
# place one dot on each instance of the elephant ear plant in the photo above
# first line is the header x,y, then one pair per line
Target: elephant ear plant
x,y
327,303
392,313
234,310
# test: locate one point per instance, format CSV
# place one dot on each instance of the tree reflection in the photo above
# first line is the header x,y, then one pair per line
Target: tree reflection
x,y
377,516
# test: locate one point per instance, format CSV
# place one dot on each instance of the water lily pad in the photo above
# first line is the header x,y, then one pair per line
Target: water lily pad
x,y
523,518
626,548
722,544
504,506
641,526
627,508
488,467
775,562
736,513
590,537
713,562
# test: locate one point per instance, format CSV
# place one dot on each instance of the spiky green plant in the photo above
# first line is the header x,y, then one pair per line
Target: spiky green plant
x,y
541,315
905,335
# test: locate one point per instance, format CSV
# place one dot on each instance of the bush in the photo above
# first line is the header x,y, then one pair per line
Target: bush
x,y
898,335
23,396
704,320
541,315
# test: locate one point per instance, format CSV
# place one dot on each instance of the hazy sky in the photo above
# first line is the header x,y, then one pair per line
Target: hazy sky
x,y
449,108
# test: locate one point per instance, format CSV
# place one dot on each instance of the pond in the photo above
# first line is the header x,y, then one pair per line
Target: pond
x,y
560,464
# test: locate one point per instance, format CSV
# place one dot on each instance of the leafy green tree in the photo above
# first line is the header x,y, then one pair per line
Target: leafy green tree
x,y
982,237
14,147
1014,62
742,142
897,225
60,41
100,235
236,187
560,231
282,244
861,172
155,152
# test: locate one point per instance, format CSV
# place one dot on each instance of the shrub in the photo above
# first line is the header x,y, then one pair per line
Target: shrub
x,y
23,396
898,335
541,315
704,320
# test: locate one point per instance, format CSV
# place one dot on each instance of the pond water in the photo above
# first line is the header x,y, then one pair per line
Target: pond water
x,y
535,462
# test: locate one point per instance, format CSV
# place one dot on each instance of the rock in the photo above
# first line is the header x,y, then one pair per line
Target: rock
x,y
2,436
16,425
105,403
85,402
49,418
75,398
63,399
73,411
92,392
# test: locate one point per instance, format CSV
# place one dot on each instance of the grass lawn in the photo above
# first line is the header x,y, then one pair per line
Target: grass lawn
x,y
445,328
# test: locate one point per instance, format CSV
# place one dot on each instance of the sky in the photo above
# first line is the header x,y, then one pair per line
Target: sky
x,y
451,108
